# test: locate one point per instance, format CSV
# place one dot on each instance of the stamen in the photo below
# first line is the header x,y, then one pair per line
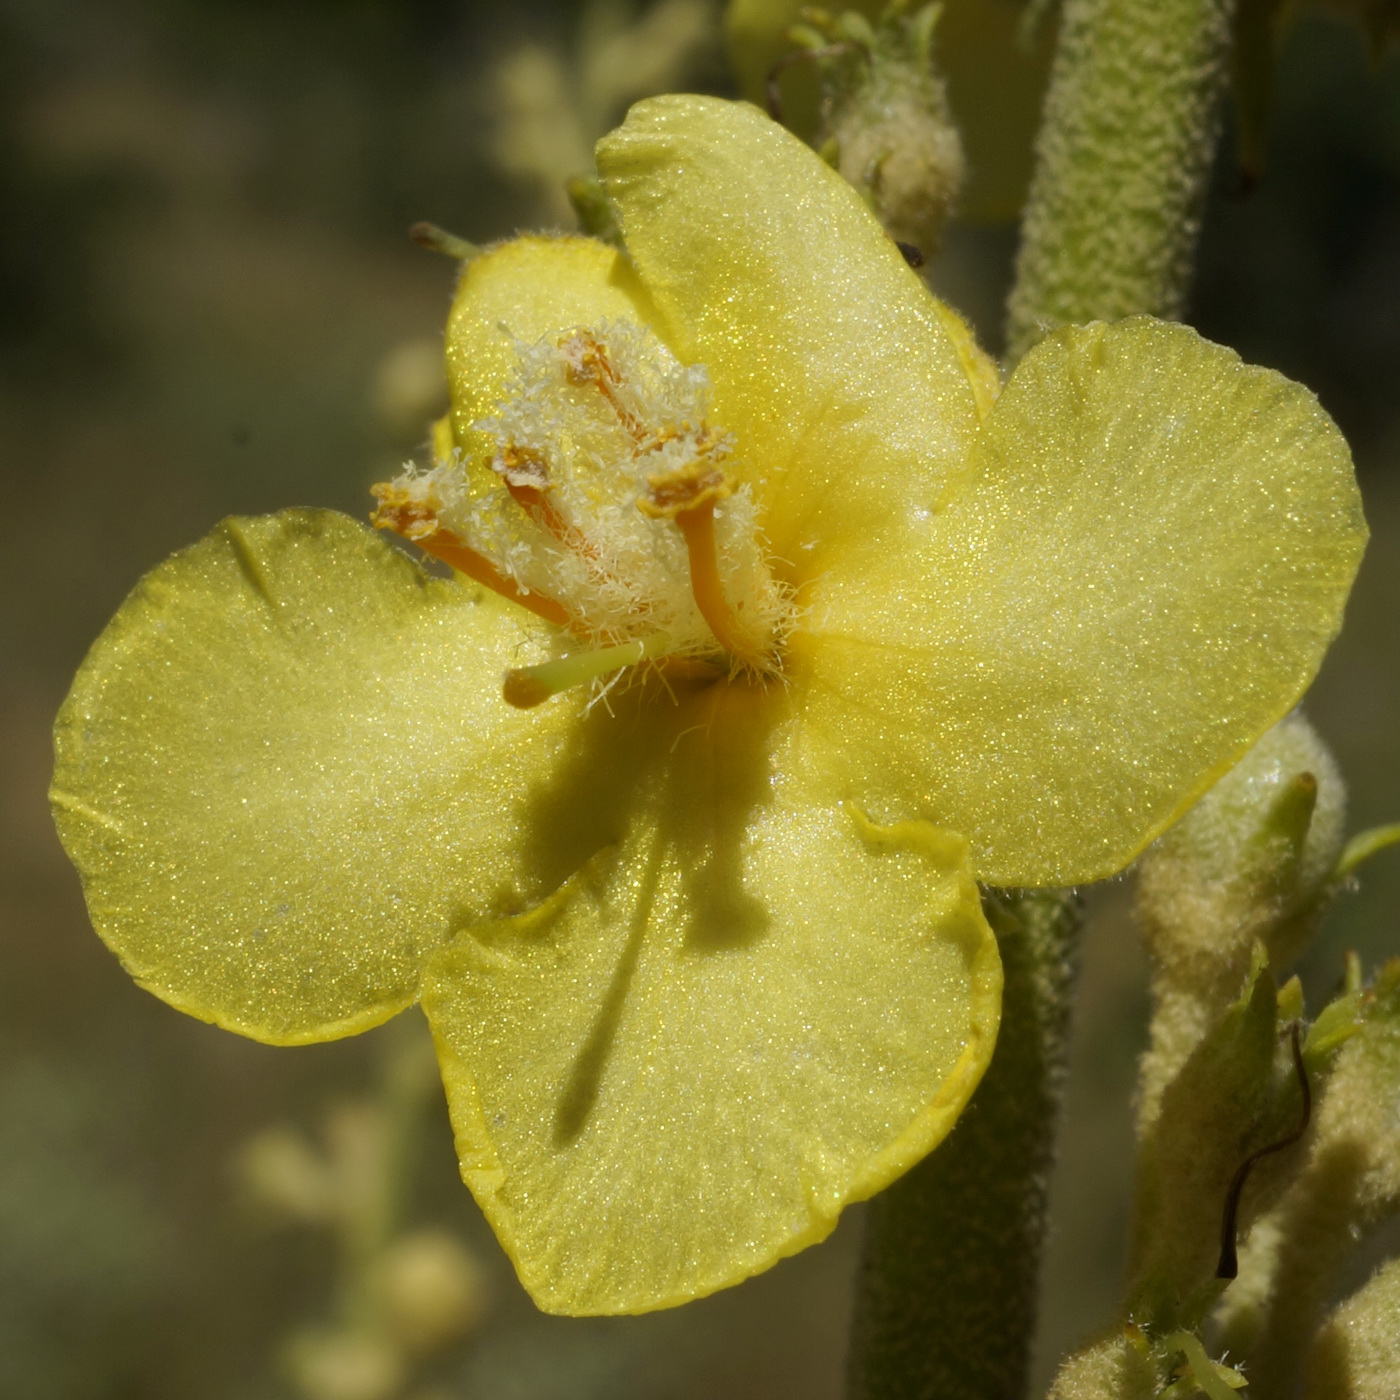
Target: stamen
x,y
526,477
689,497
698,526
446,546
586,362
417,521
533,685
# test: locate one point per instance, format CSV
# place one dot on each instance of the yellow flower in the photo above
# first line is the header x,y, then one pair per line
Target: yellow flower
x,y
808,634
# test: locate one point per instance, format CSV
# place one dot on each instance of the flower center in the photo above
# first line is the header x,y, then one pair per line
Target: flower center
x,y
606,509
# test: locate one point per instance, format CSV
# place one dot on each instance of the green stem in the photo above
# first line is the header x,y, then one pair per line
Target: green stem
x,y
947,1296
1131,122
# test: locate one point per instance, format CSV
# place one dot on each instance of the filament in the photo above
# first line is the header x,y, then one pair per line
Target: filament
x,y
533,685
444,545
697,524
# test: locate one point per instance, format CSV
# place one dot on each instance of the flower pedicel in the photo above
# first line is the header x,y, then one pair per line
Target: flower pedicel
x,y
780,629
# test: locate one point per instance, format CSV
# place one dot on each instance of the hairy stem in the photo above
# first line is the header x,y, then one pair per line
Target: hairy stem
x,y
947,1294
1131,123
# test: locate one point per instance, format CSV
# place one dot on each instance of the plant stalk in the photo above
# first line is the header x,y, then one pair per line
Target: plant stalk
x,y
1131,124
947,1293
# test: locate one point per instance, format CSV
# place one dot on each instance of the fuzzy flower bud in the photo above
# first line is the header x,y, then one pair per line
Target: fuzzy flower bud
x,y
1253,861
1357,1356
1116,1367
1349,1186
886,125
431,1289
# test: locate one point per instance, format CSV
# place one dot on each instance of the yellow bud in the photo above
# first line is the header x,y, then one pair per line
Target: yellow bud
x,y
350,1365
280,1169
431,1289
895,142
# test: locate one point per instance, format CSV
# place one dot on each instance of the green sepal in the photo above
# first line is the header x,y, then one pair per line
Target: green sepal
x,y
1363,846
593,209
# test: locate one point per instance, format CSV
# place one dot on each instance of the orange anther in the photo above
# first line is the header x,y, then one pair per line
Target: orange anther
x,y
586,362
670,493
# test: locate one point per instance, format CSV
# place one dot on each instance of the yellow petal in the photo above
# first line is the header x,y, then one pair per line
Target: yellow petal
x,y
1143,578
285,771
851,398
521,291
753,1010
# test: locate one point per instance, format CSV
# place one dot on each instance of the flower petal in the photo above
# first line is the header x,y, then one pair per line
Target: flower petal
x,y
753,1011
851,391
530,287
1143,577
285,771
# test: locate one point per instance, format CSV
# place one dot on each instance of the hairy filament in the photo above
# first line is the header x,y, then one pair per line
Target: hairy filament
x,y
697,524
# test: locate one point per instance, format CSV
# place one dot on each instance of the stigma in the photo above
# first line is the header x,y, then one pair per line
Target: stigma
x,y
608,504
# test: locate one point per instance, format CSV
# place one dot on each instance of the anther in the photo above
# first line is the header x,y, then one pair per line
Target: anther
x,y
533,685
586,362
526,477
694,485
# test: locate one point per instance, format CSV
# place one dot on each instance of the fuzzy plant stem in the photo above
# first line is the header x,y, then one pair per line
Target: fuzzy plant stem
x,y
1131,123
945,1307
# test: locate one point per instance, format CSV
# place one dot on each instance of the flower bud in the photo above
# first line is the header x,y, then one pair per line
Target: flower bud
x,y
1348,1185
1359,1119
409,387
344,1365
888,128
1252,861
431,1289
1357,1355
1238,1096
885,122
281,1170
1117,1367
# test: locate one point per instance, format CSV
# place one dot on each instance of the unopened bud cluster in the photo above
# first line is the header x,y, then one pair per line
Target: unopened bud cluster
x,y
404,1295
886,125
1269,1145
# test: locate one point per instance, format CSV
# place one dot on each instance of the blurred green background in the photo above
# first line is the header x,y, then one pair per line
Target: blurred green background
x,y
208,305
